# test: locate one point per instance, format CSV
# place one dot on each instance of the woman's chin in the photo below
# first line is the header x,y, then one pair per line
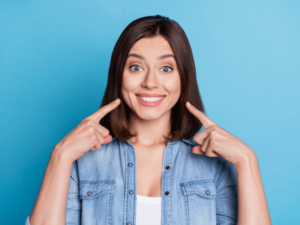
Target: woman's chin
x,y
149,116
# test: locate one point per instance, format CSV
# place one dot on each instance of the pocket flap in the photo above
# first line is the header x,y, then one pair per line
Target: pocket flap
x,y
93,189
204,188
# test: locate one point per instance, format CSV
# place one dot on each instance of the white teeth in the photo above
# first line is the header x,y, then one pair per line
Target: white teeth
x,y
150,99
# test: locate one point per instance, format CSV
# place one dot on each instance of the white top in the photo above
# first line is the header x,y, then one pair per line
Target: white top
x,y
148,210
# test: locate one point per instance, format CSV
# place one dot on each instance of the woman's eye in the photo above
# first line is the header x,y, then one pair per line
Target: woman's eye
x,y
167,69
134,68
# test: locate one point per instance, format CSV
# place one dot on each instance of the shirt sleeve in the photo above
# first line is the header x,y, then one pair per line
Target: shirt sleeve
x,y
73,207
226,199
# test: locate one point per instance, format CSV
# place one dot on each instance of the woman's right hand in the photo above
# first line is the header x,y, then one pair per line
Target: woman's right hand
x,y
87,135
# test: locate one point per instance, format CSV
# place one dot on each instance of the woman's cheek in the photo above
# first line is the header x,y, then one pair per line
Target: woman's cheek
x,y
131,81
173,86
129,85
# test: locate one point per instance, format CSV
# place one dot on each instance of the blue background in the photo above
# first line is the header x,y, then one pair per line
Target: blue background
x,y
54,59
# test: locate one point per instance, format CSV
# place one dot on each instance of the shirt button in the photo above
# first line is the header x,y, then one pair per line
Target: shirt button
x,y
207,192
130,164
128,223
89,193
166,193
131,192
167,167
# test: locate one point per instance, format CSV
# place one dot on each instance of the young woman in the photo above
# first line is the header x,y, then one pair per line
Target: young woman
x,y
139,159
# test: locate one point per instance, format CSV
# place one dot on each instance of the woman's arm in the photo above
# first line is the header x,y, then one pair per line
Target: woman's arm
x,y
50,206
252,202
214,141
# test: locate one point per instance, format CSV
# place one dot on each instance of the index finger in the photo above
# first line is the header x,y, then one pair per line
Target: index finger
x,y
200,115
100,113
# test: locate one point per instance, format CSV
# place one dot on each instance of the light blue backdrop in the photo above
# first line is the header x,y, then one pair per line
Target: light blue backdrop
x,y
54,59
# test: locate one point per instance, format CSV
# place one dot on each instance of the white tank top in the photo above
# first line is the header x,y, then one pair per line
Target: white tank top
x,y
148,210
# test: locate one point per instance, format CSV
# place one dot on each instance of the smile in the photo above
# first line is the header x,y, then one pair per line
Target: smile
x,y
150,101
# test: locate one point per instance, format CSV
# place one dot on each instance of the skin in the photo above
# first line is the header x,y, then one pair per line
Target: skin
x,y
151,124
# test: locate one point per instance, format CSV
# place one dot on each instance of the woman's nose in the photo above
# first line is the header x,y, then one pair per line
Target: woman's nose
x,y
151,80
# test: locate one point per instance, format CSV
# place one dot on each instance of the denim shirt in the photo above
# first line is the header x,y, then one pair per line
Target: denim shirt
x,y
196,189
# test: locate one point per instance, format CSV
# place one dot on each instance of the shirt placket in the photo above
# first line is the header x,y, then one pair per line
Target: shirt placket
x,y
166,195
131,185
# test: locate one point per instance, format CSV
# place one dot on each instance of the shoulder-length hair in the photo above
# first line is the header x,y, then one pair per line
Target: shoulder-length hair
x,y
183,123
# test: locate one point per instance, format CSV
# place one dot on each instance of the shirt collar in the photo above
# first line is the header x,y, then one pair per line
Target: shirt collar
x,y
187,140
190,141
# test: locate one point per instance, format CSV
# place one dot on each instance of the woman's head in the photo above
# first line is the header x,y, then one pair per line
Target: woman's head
x,y
151,69
152,56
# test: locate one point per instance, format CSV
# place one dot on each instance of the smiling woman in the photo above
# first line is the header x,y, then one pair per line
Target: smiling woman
x,y
151,58
138,160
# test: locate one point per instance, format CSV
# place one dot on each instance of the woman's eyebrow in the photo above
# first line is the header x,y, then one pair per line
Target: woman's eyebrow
x,y
166,56
141,57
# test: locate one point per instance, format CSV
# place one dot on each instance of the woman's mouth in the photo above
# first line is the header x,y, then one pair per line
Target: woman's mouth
x,y
150,101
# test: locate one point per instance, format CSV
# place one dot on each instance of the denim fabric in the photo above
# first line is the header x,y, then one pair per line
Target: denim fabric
x,y
202,190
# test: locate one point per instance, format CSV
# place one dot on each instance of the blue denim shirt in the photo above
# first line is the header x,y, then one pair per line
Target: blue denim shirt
x,y
196,189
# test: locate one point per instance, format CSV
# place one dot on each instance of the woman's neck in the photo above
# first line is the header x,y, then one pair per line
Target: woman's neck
x,y
149,132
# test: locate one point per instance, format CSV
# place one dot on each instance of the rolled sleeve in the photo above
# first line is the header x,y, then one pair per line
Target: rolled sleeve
x,y
73,207
226,200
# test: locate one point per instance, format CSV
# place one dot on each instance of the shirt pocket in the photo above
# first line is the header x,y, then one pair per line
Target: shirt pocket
x,y
200,201
96,199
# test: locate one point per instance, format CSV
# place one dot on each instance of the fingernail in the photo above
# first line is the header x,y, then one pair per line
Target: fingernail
x,y
117,101
189,104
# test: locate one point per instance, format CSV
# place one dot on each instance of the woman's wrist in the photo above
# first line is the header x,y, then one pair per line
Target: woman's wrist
x,y
247,160
60,155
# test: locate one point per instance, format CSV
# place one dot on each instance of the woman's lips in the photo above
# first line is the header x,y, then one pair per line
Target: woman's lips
x,y
149,95
149,104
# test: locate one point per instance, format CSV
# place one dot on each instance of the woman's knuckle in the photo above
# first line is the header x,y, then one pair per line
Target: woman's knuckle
x,y
214,127
92,130
89,123
93,139
213,133
106,132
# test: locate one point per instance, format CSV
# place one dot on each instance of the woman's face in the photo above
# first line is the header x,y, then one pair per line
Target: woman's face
x,y
151,81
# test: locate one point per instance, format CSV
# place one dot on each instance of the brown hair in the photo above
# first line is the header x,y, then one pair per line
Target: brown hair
x,y
183,123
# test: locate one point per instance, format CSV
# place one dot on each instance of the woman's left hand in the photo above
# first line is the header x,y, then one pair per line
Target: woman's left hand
x,y
214,141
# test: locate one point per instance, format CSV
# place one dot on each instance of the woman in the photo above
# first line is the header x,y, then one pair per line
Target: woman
x,y
147,165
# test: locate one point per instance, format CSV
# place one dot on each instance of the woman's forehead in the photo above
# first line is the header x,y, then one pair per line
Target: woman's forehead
x,y
155,44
